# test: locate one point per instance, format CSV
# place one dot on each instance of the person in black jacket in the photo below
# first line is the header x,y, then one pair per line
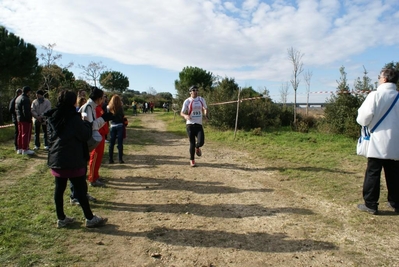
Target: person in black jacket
x,y
68,155
24,117
11,109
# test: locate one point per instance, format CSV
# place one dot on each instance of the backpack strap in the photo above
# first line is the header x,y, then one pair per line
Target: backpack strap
x,y
386,113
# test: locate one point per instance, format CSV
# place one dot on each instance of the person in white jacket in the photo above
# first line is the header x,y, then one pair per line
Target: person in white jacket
x,y
383,151
40,106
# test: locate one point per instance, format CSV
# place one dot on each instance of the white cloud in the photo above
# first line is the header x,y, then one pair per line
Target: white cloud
x,y
242,39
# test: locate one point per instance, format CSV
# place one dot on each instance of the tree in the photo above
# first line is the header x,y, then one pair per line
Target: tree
x,y
166,95
114,81
193,76
296,59
53,76
18,59
92,71
151,91
363,85
341,109
18,66
307,76
284,94
223,115
343,87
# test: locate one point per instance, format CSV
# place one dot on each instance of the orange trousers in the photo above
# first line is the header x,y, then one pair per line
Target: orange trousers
x,y
96,157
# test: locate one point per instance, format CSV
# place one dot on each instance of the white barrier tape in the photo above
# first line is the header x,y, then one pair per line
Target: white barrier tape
x,y
5,126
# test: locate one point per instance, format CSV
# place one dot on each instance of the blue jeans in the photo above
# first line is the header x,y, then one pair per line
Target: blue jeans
x,y
116,133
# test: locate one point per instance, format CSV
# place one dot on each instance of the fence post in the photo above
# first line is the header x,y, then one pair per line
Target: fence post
x,y
238,108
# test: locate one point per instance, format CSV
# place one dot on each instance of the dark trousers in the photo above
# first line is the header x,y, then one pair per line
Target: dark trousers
x,y
80,191
116,133
16,135
372,179
38,126
196,136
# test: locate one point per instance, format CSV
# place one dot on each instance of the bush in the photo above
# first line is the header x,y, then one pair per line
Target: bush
x,y
341,113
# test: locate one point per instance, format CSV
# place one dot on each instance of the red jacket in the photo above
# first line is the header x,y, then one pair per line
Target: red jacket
x,y
105,129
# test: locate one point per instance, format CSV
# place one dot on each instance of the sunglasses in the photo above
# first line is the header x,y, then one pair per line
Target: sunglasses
x,y
194,90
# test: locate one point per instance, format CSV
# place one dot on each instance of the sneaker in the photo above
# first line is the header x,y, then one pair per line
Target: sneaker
x,y
28,152
74,201
97,183
121,161
111,161
65,222
392,207
19,151
192,163
36,148
46,148
96,221
363,207
198,151
91,198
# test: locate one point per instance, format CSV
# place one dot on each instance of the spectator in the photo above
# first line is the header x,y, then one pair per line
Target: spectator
x,y
115,107
96,156
383,150
134,107
40,106
68,156
11,109
24,117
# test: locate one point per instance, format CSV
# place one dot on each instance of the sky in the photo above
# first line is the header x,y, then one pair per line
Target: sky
x,y
151,41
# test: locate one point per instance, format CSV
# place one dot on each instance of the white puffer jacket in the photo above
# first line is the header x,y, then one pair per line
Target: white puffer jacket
x,y
384,141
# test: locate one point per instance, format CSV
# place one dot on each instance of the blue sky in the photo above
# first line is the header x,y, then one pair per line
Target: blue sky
x,y
152,41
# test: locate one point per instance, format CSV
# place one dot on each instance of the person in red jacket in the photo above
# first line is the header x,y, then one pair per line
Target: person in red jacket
x,y
96,156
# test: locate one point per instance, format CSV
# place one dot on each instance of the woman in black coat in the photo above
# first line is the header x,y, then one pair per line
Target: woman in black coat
x,y
68,156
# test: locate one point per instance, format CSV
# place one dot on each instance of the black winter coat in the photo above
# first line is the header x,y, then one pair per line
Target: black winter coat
x,y
11,109
68,145
23,108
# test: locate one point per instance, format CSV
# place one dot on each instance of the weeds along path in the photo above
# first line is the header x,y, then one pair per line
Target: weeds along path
x,y
229,211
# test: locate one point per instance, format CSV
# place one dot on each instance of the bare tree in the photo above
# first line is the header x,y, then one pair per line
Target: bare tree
x,y
92,71
295,57
264,91
307,75
151,91
52,72
284,93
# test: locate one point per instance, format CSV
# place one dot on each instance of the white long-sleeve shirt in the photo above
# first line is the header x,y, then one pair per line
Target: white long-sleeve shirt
x,y
194,107
384,141
88,110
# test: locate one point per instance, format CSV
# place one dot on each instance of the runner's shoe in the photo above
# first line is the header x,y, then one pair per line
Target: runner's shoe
x,y
192,163
198,151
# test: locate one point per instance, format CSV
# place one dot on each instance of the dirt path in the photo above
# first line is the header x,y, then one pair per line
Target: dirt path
x,y
229,211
